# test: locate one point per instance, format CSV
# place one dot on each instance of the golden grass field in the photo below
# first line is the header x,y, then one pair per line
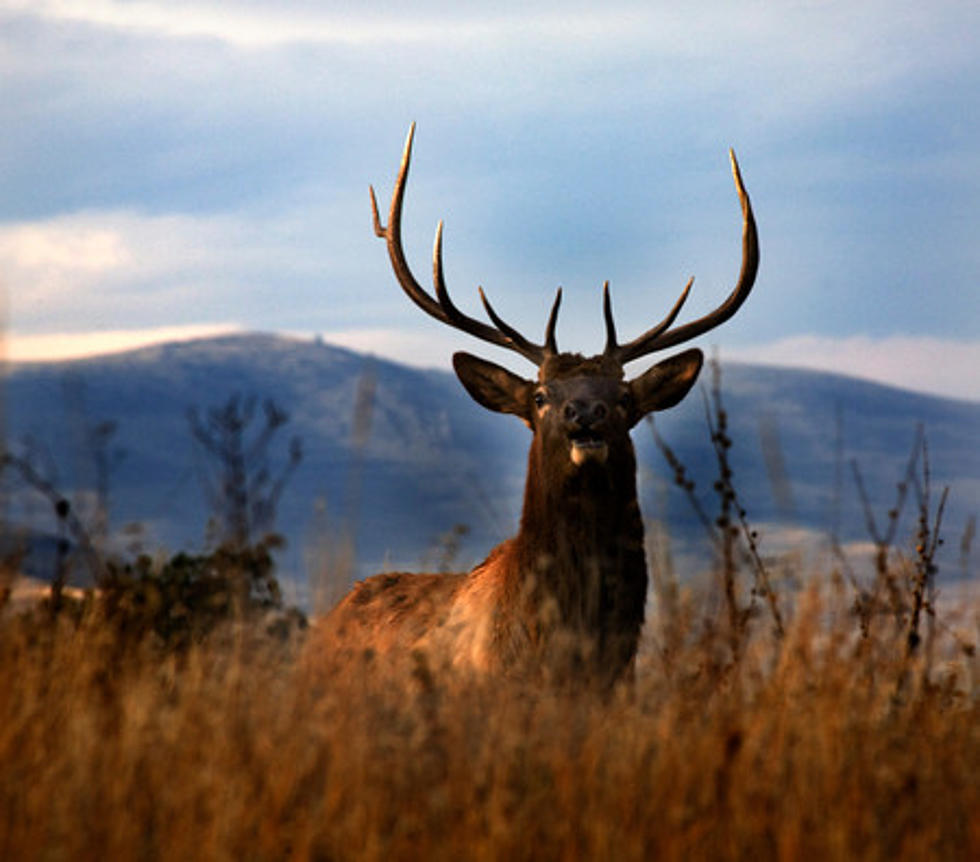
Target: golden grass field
x,y
824,744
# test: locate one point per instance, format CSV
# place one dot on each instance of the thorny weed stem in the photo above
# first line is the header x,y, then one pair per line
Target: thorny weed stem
x,y
683,481
866,603
717,419
927,543
732,521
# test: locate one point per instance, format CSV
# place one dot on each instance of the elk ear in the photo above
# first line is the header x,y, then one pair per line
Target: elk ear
x,y
666,383
494,387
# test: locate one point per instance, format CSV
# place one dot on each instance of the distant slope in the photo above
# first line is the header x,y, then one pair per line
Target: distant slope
x,y
435,459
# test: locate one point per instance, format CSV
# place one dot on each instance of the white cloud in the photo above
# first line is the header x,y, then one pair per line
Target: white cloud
x,y
77,345
38,260
258,26
936,366
122,270
86,267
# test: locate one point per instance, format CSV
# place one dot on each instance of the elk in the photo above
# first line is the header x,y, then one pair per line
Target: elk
x,y
568,591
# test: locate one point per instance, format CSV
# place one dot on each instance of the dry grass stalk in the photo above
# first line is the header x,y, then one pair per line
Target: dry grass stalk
x,y
237,750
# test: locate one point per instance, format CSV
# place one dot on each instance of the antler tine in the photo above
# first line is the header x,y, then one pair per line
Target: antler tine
x,y
535,352
611,345
661,336
550,345
527,348
647,342
442,307
504,335
392,234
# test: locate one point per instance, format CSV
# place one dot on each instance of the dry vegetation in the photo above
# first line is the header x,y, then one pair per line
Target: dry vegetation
x,y
822,744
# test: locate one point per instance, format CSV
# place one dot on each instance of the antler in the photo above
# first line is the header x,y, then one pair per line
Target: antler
x,y
662,336
442,307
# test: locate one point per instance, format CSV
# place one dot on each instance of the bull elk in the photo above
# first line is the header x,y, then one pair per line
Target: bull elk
x,y
572,583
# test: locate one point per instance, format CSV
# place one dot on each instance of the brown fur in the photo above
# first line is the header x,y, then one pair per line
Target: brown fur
x,y
565,596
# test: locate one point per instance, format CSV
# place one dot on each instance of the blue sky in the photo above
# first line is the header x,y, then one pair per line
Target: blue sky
x,y
172,168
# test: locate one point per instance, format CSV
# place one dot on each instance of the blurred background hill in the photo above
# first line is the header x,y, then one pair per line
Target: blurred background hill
x,y
417,457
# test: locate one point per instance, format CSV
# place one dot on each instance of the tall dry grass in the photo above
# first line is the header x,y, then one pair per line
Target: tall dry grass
x,y
822,744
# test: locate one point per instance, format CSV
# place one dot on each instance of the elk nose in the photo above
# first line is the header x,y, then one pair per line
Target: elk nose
x,y
584,413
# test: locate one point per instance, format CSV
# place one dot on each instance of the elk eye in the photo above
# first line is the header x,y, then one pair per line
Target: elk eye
x,y
626,401
539,399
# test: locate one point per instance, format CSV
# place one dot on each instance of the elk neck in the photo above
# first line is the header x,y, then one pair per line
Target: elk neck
x,y
581,538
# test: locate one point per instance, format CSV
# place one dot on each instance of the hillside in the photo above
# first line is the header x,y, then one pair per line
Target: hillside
x,y
434,459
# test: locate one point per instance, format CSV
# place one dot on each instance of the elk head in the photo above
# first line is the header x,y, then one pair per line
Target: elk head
x,y
580,408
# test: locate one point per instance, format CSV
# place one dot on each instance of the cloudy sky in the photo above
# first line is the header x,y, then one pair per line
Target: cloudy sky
x,y
172,168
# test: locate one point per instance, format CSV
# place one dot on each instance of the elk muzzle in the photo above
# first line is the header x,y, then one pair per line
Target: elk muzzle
x,y
584,422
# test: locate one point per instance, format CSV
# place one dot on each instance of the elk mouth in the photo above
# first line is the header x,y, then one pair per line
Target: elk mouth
x,y
587,446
